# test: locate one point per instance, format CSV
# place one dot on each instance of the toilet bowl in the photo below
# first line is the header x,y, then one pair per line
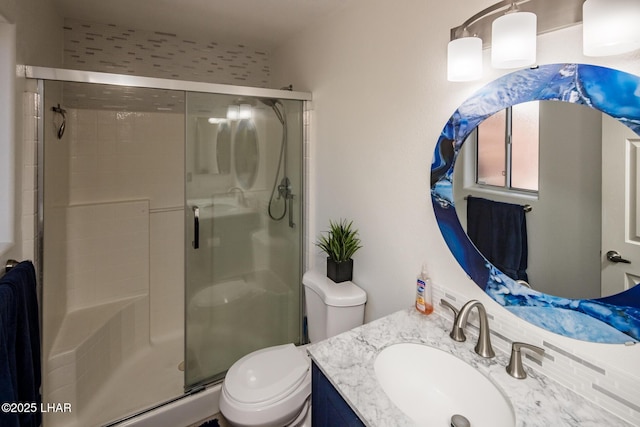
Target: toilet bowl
x,y
271,387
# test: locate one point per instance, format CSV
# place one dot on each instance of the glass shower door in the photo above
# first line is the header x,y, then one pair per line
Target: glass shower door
x,y
242,230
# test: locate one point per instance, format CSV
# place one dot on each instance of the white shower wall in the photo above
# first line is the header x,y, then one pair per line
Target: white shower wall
x,y
107,253
126,156
114,245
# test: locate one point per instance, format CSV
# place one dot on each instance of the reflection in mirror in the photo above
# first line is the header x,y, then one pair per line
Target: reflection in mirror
x,y
213,146
223,148
567,204
506,147
614,318
245,153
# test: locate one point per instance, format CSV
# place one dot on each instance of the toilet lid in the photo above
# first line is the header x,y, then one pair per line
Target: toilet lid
x,y
266,374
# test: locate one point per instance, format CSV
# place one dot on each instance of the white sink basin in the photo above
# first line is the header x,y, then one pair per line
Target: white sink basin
x,y
430,385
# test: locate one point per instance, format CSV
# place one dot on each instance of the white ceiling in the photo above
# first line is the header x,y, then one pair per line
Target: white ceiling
x,y
261,24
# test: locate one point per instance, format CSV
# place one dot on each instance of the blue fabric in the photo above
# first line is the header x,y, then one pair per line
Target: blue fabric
x,y
499,231
8,385
20,373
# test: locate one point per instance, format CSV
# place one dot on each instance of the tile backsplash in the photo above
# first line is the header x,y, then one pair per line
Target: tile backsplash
x,y
112,49
603,384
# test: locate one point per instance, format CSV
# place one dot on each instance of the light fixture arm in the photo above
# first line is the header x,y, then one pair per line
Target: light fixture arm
x,y
552,15
491,10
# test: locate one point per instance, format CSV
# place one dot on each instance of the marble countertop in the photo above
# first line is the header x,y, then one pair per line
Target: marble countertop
x,y
347,361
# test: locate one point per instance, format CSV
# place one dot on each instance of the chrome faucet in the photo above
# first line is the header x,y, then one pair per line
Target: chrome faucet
x,y
483,346
239,195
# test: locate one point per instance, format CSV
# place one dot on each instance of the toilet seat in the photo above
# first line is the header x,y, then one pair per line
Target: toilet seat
x,y
269,387
266,375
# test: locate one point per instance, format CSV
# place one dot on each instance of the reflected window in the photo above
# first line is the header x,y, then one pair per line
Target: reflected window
x,y
507,148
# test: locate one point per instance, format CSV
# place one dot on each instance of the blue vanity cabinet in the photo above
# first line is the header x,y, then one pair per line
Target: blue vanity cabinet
x,y
328,408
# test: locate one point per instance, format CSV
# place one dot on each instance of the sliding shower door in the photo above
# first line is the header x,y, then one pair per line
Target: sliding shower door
x,y
112,260
243,227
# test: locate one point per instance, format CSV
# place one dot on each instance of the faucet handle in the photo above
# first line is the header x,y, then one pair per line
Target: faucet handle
x,y
515,368
457,334
445,303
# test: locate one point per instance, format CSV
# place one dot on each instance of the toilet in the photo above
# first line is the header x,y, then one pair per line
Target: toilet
x,y
271,387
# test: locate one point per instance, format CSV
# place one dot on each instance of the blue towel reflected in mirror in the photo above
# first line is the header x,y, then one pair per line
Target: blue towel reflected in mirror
x,y
499,231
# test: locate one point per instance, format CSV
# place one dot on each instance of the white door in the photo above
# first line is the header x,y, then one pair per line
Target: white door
x,y
620,210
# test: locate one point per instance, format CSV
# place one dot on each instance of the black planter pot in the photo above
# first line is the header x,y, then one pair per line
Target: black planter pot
x,y
339,271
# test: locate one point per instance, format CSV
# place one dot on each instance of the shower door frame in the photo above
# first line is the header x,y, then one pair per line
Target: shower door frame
x,y
79,76
42,74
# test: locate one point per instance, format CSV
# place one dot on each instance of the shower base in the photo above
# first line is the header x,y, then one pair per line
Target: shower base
x,y
104,363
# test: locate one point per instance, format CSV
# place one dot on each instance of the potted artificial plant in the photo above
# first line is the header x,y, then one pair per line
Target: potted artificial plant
x,y
340,243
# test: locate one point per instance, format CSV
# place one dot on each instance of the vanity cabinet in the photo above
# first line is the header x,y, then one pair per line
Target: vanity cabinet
x,y
328,408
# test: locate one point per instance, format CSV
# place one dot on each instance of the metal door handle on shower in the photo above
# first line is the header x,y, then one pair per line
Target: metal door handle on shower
x,y
196,227
290,197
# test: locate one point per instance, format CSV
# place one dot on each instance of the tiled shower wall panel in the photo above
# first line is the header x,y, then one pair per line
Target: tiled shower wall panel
x,y
112,49
125,156
108,252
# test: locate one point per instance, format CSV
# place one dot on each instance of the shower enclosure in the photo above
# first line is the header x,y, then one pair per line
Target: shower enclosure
x,y
171,236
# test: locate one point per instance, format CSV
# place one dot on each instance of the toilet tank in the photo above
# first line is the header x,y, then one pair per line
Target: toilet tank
x,y
332,308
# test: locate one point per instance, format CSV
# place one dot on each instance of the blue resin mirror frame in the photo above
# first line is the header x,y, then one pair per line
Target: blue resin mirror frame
x,y
614,319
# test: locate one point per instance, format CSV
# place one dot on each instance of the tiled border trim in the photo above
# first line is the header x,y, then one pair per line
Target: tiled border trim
x,y
604,384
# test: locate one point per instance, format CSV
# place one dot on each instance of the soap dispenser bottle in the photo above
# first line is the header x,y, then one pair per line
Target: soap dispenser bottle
x,y
424,302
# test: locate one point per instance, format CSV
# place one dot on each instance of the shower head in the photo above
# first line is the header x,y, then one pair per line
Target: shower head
x,y
269,102
63,125
278,108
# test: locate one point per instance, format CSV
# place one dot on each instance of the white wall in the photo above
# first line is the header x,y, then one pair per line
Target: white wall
x,y
7,132
39,31
380,98
378,76
375,121
38,42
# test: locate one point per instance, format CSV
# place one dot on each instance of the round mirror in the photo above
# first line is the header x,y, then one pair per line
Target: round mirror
x,y
212,150
613,318
245,153
223,148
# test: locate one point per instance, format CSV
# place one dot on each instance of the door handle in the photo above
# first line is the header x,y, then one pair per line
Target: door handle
x,y
196,227
614,256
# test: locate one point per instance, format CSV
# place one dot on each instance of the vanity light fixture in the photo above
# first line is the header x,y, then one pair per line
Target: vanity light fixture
x,y
513,39
464,58
244,111
233,112
610,27
240,111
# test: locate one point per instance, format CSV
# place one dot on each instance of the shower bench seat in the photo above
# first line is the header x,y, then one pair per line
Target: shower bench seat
x,y
91,343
